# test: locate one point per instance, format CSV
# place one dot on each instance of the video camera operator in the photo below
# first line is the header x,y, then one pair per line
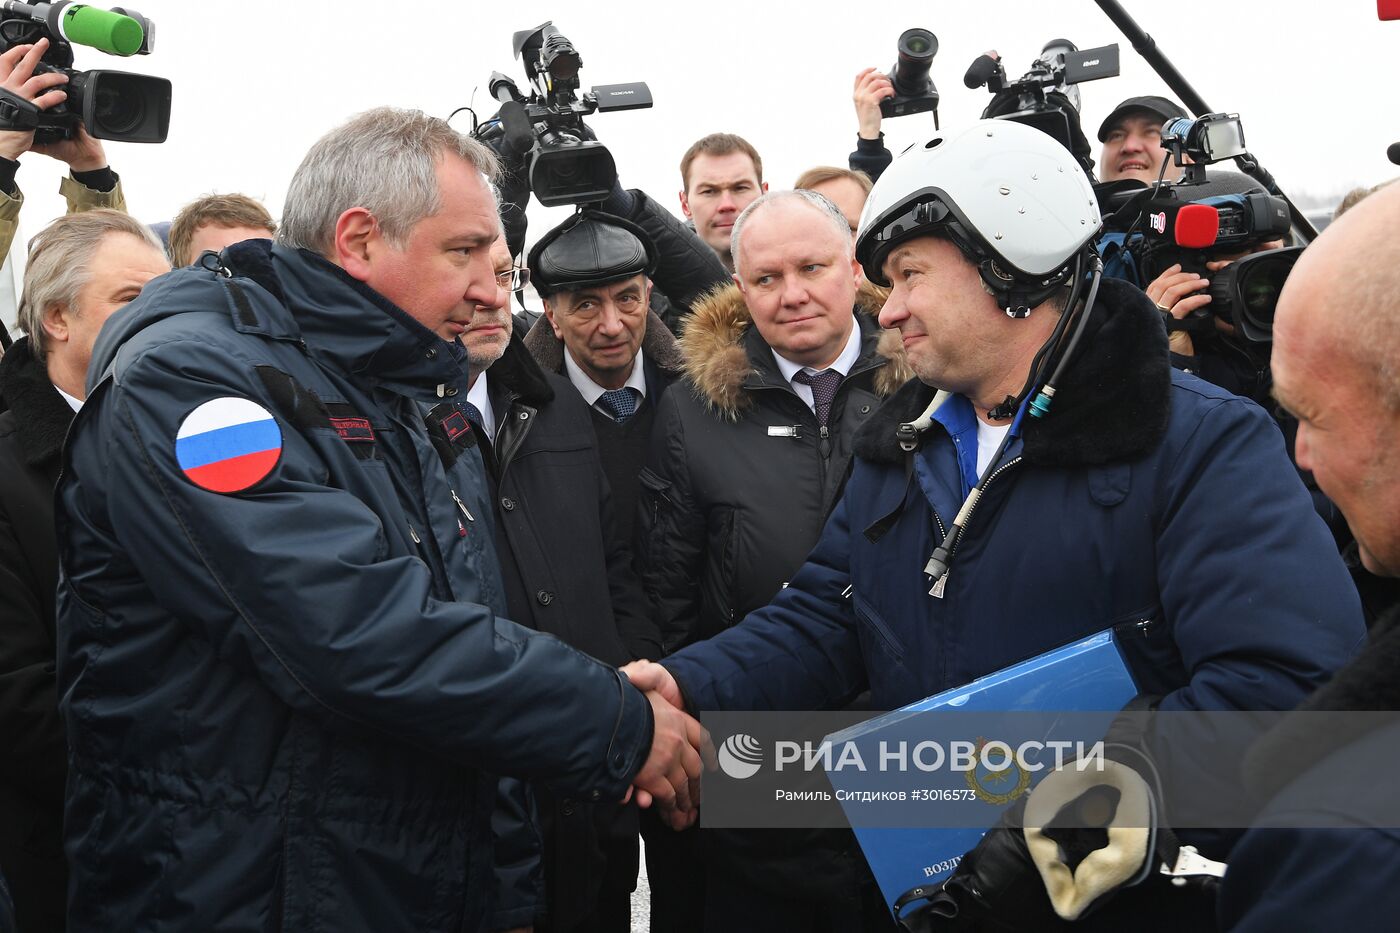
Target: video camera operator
x,y
1132,141
92,183
546,149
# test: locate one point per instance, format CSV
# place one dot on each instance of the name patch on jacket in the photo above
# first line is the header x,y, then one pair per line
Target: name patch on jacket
x,y
228,444
450,431
353,428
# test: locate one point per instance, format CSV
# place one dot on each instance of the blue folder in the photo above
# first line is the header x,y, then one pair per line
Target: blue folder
x,y
1089,675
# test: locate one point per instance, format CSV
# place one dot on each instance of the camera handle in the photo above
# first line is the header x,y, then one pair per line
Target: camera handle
x,y
1146,46
16,113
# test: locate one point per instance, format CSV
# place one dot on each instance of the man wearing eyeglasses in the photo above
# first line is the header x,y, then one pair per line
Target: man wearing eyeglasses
x,y
594,274
566,573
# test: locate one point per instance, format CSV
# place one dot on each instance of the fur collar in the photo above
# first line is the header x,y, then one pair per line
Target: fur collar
x,y
720,365
1368,683
1113,404
658,345
518,373
41,415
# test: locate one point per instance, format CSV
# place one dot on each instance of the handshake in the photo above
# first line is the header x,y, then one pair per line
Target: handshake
x,y
680,749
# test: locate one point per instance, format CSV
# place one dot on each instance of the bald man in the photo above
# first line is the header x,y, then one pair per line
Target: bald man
x,y
1336,351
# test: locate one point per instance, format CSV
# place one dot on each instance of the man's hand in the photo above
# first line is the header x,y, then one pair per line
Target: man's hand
x,y
667,703
872,86
647,677
670,777
81,152
1177,293
17,76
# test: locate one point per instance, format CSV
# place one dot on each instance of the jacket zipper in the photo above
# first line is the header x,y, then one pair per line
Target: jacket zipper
x,y
985,486
942,584
462,505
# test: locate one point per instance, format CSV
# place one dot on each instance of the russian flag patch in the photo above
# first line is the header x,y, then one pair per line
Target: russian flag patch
x,y
228,444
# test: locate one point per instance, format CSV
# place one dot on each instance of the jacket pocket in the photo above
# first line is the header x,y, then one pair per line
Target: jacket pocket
x,y
871,621
656,507
1146,639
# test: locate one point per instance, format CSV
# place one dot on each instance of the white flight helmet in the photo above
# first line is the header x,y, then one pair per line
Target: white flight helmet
x,y
1013,199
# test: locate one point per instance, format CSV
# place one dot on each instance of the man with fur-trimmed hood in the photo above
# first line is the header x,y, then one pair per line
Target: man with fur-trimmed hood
x,y
748,457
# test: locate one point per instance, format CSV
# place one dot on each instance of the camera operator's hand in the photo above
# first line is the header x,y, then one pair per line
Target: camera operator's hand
x,y
1176,293
81,152
872,86
17,76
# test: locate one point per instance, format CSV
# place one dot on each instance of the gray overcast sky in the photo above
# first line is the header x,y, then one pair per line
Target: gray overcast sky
x,y
257,82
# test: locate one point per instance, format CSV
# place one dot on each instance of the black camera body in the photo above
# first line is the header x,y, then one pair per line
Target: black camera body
x,y
1196,220
565,163
115,105
1047,96
914,91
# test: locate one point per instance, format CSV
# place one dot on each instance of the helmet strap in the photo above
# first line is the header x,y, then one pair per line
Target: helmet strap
x,y
1016,297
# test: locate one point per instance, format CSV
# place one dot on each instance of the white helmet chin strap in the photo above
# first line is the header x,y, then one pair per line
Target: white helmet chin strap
x,y
908,433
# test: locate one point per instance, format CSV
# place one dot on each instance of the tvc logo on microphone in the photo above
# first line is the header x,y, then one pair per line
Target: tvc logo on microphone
x,y
740,756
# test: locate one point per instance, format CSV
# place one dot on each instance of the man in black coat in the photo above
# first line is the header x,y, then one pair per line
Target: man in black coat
x,y
748,457
594,274
567,573
42,382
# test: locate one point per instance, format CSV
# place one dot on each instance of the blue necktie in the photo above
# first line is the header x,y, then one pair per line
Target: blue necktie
x,y
620,403
474,416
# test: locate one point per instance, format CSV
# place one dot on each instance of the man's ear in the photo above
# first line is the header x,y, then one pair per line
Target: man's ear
x,y
685,206
763,186
739,282
549,316
56,321
357,240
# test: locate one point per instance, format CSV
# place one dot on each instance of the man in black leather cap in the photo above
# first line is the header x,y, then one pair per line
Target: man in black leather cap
x,y
566,572
593,273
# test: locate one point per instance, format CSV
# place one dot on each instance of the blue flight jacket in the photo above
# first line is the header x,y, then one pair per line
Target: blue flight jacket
x,y
288,705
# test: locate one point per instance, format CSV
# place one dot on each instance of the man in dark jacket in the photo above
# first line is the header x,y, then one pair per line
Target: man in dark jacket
x,y
82,268
567,573
1327,851
968,538
303,721
748,457
594,273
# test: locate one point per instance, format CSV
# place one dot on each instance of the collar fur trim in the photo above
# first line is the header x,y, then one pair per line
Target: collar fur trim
x,y
719,365
1113,404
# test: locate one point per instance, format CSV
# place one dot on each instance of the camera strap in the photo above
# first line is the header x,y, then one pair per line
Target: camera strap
x,y
16,113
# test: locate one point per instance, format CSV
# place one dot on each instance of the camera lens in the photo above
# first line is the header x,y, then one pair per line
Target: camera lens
x,y
116,109
916,50
1259,289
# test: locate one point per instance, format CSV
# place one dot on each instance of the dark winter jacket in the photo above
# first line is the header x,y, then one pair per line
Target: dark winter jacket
x,y
1333,774
568,574
623,448
1147,500
741,477
300,725
554,518
34,765
729,511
